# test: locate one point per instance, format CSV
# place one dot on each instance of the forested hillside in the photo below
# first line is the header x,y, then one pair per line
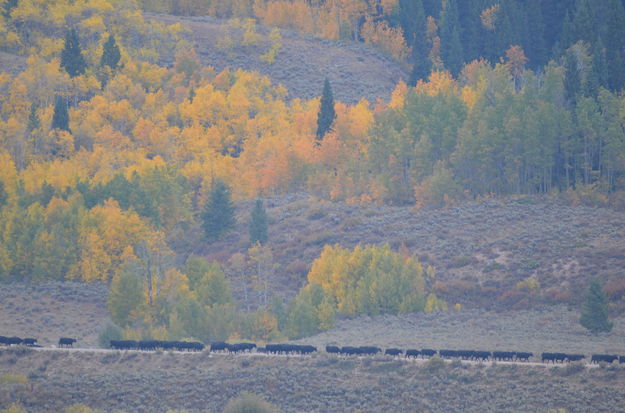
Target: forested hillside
x,y
121,150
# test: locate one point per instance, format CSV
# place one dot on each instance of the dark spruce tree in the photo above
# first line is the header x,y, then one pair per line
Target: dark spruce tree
x,y
326,115
110,54
72,59
595,311
8,7
218,215
258,224
60,118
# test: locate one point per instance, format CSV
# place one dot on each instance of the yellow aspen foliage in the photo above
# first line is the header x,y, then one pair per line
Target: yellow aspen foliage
x,y
388,39
398,97
174,286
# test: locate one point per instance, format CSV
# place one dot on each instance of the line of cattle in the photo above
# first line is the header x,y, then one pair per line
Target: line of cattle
x,y
297,349
64,342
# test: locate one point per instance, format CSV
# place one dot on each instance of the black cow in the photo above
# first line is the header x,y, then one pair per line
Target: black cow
x,y
575,357
481,355
555,357
10,340
606,358
465,354
393,352
241,347
219,346
124,344
369,350
333,349
66,342
306,349
428,352
504,355
621,359
350,351
30,342
412,353
448,354
523,356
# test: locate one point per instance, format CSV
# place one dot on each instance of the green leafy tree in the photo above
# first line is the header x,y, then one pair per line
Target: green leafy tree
x,y
326,115
125,297
72,59
60,118
595,311
218,215
110,54
258,224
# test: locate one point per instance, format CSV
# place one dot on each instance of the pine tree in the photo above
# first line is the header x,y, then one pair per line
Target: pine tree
x,y
218,215
595,311
33,118
71,57
258,224
110,54
450,33
326,115
8,7
60,118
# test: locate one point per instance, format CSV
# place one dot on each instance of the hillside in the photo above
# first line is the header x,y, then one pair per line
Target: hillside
x,y
142,382
356,71
489,245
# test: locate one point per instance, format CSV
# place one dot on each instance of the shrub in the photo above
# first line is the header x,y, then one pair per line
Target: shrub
x,y
110,332
434,365
250,403
615,289
316,214
454,288
462,261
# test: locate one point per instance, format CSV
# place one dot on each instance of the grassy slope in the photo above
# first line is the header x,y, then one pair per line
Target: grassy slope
x,y
355,70
142,382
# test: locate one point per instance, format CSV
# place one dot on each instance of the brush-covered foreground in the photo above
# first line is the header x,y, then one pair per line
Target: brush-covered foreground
x,y
156,382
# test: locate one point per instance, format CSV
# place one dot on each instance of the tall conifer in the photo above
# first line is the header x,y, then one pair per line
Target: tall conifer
x,y
326,115
218,215
595,311
110,54
72,59
258,224
60,118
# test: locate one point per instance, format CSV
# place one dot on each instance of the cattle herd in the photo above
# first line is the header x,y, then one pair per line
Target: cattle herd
x,y
299,349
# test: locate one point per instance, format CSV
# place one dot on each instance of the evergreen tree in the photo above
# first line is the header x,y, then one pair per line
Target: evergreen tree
x,y
416,38
33,118
71,57
595,311
60,118
451,47
110,54
8,7
218,215
326,115
258,224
